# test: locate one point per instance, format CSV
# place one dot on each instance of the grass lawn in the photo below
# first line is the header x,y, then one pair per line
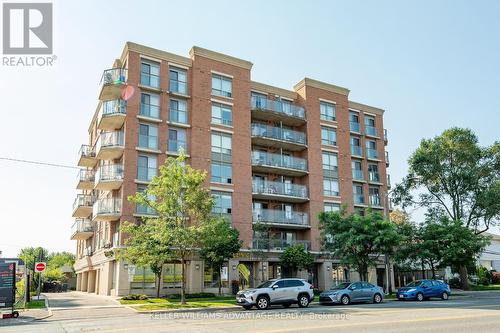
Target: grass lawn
x,y
490,287
35,304
163,303
144,301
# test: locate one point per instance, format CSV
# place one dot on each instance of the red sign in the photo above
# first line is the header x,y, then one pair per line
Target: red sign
x,y
40,267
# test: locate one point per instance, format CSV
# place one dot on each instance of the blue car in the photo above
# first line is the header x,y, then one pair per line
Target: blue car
x,y
424,289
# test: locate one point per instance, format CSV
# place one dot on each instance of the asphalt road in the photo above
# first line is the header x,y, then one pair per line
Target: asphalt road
x,y
477,312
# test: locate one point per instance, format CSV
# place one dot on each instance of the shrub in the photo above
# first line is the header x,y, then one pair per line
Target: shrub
x,y
454,282
485,276
495,278
134,297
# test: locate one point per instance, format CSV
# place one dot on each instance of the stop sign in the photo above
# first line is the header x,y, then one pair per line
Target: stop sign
x,y
40,267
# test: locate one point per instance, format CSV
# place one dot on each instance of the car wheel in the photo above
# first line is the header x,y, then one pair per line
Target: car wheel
x,y
247,307
262,303
377,298
287,305
303,301
345,300
420,297
445,296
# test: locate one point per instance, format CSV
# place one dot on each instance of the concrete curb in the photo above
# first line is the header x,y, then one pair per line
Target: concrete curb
x,y
49,310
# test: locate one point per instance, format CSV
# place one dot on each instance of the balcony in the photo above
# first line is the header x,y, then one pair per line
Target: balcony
x,y
387,158
81,229
278,244
269,190
373,177
85,179
371,153
113,83
145,210
111,115
385,136
279,164
359,199
370,130
110,145
269,136
82,206
357,174
356,151
108,209
175,147
109,177
354,127
86,157
388,181
374,200
281,218
275,110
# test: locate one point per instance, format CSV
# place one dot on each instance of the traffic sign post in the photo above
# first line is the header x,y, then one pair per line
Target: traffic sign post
x,y
40,267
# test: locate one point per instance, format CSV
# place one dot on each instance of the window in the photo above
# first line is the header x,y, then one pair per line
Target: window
x,y
356,146
177,140
222,114
359,211
223,202
221,172
374,195
293,283
373,174
211,277
222,86
150,74
178,81
370,126
259,101
143,209
328,136
327,111
221,146
357,171
330,168
172,275
148,136
178,111
331,207
354,121
371,149
330,186
146,167
358,196
150,105
143,278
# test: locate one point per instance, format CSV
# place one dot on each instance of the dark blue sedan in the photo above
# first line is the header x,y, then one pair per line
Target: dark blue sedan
x,y
424,289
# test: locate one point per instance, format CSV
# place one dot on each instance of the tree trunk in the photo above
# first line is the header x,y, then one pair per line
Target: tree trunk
x,y
220,282
363,272
423,269
464,280
183,282
158,280
433,269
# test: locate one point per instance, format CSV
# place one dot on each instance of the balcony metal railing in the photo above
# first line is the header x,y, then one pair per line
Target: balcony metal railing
x,y
107,206
370,130
278,133
85,175
81,225
178,87
357,174
278,244
359,198
277,106
374,176
82,200
280,217
371,153
356,151
114,76
278,160
110,139
374,199
109,172
86,151
150,110
175,146
354,126
279,188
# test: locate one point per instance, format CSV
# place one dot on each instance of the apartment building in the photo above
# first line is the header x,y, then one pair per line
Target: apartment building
x,y
275,157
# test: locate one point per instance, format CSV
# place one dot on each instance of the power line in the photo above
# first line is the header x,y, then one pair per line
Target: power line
x,y
38,163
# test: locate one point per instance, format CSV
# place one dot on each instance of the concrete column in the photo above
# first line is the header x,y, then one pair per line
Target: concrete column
x,y
84,282
91,281
325,276
121,279
78,281
194,276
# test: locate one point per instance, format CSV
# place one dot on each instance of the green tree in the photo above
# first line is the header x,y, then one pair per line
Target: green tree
x,y
30,255
358,241
452,175
220,242
182,203
60,259
296,257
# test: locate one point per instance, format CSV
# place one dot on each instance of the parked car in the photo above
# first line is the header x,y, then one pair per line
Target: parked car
x,y
277,291
351,292
424,289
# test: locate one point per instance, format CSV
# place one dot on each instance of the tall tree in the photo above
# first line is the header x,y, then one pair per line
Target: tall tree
x,y
220,242
182,203
358,241
296,257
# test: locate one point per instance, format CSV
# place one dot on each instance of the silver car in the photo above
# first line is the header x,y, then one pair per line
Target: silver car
x,y
277,291
350,292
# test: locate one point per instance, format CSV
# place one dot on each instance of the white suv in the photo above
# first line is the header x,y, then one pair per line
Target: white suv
x,y
277,291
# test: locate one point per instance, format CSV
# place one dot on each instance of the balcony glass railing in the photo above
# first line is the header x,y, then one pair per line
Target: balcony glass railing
x,y
387,157
359,198
110,139
150,110
280,217
114,76
374,176
357,174
109,172
371,153
385,134
85,175
81,225
113,107
374,200
176,116
389,181
86,151
278,160
277,133
150,80
178,87
279,244
175,146
82,200
354,126
356,151
277,106
144,210
370,130
279,188
107,206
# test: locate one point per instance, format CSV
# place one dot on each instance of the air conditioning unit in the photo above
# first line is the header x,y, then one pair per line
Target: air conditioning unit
x,y
228,210
229,181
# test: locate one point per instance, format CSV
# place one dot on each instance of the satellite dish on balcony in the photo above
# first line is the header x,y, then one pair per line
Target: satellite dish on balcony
x,y
128,92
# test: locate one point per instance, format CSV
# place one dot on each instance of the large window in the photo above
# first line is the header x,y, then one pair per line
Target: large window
x,y
330,186
370,126
178,111
178,80
328,136
357,170
150,74
222,114
146,167
373,174
221,172
331,207
371,149
144,209
358,195
327,111
221,167
148,136
223,202
374,195
172,275
221,145
330,164
150,105
356,146
177,140
211,277
354,121
222,86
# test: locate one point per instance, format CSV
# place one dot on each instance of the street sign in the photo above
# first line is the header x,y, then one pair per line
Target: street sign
x,y
40,267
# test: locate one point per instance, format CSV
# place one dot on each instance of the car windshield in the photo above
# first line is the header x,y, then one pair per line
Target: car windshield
x,y
414,284
266,284
341,286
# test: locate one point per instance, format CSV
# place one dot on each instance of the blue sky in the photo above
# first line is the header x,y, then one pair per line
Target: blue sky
x,y
430,64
